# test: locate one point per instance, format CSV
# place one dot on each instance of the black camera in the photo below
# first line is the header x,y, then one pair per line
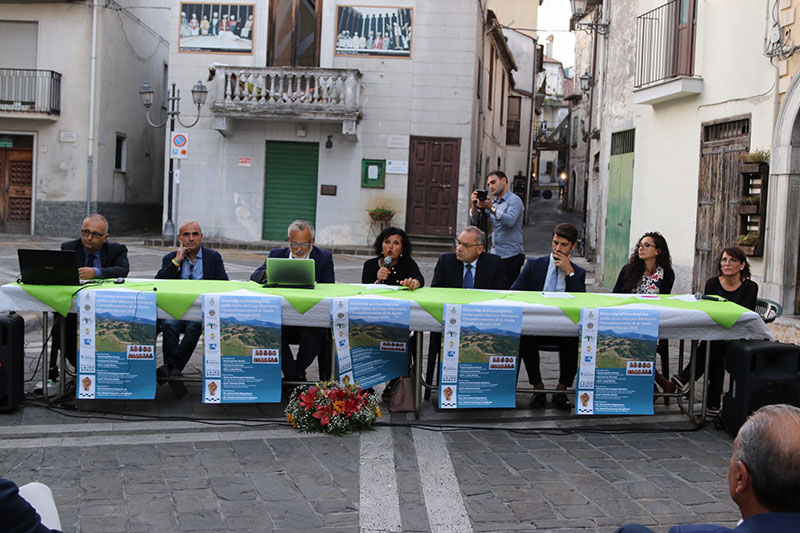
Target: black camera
x,y
482,194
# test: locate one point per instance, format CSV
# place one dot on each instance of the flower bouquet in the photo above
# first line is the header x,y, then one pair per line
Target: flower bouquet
x,y
332,407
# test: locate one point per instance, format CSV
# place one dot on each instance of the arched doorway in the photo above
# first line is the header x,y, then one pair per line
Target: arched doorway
x,y
782,241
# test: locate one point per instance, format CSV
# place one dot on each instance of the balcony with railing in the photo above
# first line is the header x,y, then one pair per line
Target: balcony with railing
x,y
30,93
665,55
286,93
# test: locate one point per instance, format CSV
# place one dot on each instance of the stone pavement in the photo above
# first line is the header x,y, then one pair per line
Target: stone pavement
x,y
179,465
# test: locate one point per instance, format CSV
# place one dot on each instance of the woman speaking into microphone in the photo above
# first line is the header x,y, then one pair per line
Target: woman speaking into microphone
x,y
393,264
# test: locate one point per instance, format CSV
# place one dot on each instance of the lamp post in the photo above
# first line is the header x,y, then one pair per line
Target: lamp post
x,y
199,93
586,82
579,11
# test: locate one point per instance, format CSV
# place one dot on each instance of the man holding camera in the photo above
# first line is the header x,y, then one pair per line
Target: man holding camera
x,y
505,212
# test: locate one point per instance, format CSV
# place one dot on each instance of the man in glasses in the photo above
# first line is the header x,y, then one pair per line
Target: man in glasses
x,y
96,258
191,260
470,266
311,340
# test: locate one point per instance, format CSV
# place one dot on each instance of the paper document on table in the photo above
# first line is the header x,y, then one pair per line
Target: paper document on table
x,y
561,295
684,298
381,286
646,296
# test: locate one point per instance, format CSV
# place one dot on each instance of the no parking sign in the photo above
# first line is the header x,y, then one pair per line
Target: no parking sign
x,y
179,146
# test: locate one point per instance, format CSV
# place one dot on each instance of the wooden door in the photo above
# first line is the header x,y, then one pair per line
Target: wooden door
x,y
618,213
290,186
719,190
16,182
685,36
433,186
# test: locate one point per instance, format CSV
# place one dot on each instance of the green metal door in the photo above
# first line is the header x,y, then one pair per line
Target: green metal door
x,y
290,186
618,214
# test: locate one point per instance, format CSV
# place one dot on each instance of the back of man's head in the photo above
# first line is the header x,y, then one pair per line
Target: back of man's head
x,y
769,446
566,231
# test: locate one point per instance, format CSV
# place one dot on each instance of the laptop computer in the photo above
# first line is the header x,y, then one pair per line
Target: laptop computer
x,y
290,273
48,267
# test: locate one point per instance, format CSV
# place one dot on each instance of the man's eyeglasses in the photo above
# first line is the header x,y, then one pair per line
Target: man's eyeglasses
x,y
303,245
95,234
645,245
466,245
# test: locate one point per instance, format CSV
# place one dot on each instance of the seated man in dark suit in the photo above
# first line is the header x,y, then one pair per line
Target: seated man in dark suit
x,y
311,340
191,260
96,258
469,267
552,273
763,475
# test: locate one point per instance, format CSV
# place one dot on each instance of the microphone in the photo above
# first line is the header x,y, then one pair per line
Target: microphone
x,y
386,262
701,296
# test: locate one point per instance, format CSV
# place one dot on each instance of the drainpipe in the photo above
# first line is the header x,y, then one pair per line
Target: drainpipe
x,y
589,140
92,81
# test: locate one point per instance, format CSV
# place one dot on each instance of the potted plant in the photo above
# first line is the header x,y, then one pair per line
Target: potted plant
x,y
747,242
755,161
749,204
381,214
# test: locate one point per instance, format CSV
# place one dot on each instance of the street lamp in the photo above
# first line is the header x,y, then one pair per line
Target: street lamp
x,y
579,11
199,93
586,82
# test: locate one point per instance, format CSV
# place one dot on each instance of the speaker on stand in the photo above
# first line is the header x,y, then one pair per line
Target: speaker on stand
x,y
761,373
12,359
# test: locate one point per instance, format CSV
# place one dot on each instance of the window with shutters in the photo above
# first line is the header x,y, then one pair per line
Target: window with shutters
x,y
18,44
294,28
512,128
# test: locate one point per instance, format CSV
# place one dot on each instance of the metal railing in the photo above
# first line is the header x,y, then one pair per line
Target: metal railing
x,y
298,89
656,45
32,91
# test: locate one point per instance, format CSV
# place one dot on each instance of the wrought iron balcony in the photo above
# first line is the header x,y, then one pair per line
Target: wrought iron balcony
x,y
658,49
286,93
30,91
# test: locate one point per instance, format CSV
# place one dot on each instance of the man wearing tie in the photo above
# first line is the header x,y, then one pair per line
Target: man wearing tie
x,y
552,273
96,258
191,260
469,267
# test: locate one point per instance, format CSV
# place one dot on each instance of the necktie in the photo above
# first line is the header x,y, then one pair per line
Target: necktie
x,y
469,279
551,286
90,260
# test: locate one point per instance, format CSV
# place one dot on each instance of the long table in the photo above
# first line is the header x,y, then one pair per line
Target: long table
x,y
681,316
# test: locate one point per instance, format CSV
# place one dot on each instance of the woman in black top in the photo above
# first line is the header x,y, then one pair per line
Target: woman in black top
x,y
393,243
733,284
649,271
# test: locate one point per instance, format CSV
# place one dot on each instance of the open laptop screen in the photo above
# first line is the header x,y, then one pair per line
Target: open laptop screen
x,y
290,273
48,267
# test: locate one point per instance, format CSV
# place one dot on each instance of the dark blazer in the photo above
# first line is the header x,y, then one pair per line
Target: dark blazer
x,y
113,257
323,264
489,274
18,515
213,267
535,272
664,286
405,268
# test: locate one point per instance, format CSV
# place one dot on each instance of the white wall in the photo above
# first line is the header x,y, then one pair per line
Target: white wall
x,y
430,94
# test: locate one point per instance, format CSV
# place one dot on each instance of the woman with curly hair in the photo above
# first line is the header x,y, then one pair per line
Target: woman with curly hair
x,y
734,284
649,271
393,245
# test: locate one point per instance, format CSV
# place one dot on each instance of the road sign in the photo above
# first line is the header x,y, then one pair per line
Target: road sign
x,y
179,146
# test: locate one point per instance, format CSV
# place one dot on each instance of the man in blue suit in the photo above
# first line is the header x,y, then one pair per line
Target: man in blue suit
x,y
311,340
191,260
763,475
552,273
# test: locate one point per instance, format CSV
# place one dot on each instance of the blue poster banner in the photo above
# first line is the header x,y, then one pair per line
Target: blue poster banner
x,y
480,344
242,362
117,359
370,336
617,361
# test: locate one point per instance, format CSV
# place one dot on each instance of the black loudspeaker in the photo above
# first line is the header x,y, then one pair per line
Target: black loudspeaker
x,y
762,373
12,360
